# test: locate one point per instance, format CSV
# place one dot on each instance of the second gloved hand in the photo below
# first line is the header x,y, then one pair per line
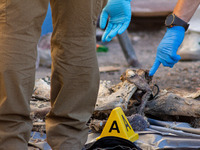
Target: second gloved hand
x,y
167,49
119,12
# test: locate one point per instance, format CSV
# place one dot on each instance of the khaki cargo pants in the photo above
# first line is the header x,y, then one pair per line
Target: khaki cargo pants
x,y
75,75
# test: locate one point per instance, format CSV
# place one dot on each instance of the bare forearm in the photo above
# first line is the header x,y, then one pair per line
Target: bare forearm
x,y
185,9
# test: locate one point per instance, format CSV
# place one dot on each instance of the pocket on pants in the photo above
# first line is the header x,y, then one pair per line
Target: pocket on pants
x,y
3,10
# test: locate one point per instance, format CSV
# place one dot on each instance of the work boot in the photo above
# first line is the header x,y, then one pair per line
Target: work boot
x,y
190,48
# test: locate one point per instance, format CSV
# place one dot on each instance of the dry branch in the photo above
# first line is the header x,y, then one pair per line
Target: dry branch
x,y
120,98
171,104
120,95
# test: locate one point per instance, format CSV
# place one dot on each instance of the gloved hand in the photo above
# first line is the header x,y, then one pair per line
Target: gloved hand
x,y
167,49
119,12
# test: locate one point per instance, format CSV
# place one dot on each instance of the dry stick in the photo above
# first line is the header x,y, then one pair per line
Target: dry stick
x,y
141,84
145,98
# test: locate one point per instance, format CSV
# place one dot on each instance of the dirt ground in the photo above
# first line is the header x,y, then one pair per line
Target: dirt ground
x,y
184,75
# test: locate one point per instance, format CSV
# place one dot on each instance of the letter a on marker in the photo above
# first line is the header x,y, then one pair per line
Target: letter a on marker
x,y
117,125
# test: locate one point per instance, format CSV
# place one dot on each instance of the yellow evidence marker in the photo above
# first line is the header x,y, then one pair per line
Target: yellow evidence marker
x,y
118,125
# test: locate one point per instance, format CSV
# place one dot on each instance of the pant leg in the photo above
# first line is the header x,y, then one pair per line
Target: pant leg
x,y
20,22
75,74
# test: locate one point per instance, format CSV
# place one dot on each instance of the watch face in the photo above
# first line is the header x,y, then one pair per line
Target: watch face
x,y
169,20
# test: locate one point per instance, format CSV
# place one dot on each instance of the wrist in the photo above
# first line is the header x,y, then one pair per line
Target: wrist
x,y
182,17
173,20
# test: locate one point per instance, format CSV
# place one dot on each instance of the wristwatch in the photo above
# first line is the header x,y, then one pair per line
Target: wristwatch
x,y
173,20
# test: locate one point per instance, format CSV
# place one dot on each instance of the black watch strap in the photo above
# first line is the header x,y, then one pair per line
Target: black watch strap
x,y
179,22
173,20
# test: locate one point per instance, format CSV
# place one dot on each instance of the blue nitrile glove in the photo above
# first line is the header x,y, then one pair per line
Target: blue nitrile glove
x,y
167,49
119,12
47,26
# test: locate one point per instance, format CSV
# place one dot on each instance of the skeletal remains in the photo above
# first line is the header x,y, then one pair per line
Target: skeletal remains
x,y
119,95
135,95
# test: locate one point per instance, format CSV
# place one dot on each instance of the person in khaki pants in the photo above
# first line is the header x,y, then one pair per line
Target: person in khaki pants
x,y
75,74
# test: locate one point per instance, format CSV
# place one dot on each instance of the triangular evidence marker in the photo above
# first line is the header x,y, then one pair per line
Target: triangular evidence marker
x,y
118,125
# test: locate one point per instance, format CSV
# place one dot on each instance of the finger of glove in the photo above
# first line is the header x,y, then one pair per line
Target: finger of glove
x,y
107,31
154,68
176,57
167,64
124,27
168,60
113,32
103,19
